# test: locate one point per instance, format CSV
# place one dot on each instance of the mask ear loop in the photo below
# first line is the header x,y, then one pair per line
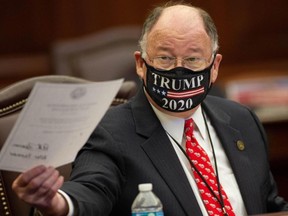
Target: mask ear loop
x,y
211,65
143,82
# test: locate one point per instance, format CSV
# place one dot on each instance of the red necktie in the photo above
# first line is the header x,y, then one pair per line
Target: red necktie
x,y
202,163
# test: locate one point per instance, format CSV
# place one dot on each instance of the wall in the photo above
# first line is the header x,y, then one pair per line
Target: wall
x,y
251,32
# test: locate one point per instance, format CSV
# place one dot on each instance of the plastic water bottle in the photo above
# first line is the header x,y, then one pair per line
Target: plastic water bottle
x,y
146,202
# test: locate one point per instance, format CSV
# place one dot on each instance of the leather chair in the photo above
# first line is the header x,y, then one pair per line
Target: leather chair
x,y
12,100
102,55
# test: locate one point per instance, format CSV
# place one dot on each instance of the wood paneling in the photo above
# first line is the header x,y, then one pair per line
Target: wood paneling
x,y
249,30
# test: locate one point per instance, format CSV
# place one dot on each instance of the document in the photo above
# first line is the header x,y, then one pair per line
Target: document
x,y
55,123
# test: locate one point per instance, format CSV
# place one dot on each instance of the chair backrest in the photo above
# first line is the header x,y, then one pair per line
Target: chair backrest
x,y
12,100
103,55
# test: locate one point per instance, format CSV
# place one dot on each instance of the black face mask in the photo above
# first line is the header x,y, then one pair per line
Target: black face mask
x,y
179,89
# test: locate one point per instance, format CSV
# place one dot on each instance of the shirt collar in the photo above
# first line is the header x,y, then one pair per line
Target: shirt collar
x,y
199,122
175,126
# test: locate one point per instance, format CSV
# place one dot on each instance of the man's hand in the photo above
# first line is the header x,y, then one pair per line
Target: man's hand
x,y
38,187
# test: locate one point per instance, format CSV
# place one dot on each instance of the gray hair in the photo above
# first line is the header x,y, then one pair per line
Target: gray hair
x,y
155,14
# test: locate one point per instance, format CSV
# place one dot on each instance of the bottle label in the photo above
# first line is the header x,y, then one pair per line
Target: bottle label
x,y
148,214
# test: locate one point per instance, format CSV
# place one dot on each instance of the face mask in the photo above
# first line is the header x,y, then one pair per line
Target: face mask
x,y
179,89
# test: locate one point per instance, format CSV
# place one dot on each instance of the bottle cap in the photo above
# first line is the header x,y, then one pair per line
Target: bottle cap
x,y
145,187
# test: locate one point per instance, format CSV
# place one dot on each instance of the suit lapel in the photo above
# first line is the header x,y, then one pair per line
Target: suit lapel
x,y
240,161
162,154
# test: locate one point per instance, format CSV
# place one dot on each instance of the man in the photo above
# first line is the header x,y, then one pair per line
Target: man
x,y
142,141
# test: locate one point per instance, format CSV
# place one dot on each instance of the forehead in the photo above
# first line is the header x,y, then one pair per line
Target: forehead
x,y
179,27
179,16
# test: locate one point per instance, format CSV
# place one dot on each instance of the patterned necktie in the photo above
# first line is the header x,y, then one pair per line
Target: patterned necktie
x,y
202,163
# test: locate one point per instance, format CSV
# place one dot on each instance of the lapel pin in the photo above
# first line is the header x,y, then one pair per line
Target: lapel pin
x,y
240,145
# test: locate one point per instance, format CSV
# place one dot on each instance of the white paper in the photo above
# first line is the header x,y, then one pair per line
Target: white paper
x,y
55,123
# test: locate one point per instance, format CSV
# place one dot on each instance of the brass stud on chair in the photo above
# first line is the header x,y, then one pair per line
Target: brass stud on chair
x,y
4,203
13,106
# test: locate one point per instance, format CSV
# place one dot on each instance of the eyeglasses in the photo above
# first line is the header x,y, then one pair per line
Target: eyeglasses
x,y
167,62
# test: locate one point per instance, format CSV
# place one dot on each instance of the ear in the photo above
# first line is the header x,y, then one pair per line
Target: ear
x,y
215,68
140,66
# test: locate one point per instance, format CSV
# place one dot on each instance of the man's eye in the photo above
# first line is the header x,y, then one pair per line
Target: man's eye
x,y
192,59
164,58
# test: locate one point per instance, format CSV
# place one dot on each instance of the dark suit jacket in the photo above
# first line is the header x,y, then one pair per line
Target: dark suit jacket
x,y
130,146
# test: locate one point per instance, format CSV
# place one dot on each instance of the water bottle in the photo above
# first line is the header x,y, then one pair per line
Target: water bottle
x,y
146,202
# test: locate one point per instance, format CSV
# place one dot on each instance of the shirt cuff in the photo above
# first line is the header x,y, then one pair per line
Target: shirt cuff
x,y
69,202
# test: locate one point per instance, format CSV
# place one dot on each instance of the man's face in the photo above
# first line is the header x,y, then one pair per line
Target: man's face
x,y
179,33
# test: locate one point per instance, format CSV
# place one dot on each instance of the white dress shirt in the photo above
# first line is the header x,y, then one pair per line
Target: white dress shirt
x,y
175,127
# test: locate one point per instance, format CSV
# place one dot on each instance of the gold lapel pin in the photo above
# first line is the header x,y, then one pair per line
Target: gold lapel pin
x,y
240,145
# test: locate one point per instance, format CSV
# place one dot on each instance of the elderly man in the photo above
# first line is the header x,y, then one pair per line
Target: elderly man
x,y
204,155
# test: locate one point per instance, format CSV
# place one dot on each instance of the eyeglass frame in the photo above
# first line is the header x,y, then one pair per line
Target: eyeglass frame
x,y
175,59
